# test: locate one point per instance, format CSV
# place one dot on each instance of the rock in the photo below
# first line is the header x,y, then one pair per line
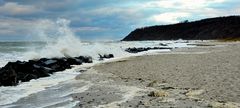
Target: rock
x,y
85,59
74,61
60,65
107,56
49,62
162,44
42,71
8,76
137,50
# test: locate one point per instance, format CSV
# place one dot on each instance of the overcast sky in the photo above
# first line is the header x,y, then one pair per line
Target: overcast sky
x,y
105,19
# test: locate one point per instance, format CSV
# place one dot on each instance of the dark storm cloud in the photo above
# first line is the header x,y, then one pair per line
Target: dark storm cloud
x,y
108,18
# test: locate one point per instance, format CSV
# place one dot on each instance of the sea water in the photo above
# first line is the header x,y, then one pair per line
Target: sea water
x,y
56,39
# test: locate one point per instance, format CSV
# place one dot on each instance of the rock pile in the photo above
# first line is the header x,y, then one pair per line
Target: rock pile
x,y
22,71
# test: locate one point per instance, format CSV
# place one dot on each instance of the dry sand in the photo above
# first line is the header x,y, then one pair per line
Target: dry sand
x,y
206,76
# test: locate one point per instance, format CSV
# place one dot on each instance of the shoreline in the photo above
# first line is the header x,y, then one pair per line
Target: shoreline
x,y
157,79
205,76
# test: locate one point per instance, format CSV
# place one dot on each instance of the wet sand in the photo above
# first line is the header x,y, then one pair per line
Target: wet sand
x,y
206,76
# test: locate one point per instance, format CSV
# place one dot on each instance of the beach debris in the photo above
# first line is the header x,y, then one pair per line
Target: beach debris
x,y
141,49
22,71
158,93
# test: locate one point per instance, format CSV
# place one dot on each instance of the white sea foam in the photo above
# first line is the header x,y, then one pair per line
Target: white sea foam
x,y
12,94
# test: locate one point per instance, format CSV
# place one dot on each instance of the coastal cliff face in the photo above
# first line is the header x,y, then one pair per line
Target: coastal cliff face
x,y
206,29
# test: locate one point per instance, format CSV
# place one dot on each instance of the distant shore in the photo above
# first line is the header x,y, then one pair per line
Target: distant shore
x,y
206,76
227,27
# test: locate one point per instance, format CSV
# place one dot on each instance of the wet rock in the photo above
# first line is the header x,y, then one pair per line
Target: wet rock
x,y
60,64
107,56
8,75
141,49
49,62
163,44
74,61
85,59
21,71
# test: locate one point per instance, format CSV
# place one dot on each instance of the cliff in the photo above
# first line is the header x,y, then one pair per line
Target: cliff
x,y
206,29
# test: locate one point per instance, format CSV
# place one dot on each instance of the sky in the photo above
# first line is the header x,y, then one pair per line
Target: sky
x,y
104,19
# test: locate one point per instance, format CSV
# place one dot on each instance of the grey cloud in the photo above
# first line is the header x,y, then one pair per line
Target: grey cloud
x,y
12,8
13,27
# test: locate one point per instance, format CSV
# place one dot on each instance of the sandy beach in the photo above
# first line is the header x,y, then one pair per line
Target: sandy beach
x,y
206,76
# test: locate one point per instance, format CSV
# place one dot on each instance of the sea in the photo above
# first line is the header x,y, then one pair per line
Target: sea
x,y
57,41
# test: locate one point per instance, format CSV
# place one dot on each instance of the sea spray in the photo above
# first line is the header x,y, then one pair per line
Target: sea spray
x,y
61,41
59,38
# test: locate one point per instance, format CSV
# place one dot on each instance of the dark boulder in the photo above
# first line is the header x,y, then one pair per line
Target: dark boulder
x,y
49,62
163,44
85,59
107,56
137,50
8,75
74,61
60,65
